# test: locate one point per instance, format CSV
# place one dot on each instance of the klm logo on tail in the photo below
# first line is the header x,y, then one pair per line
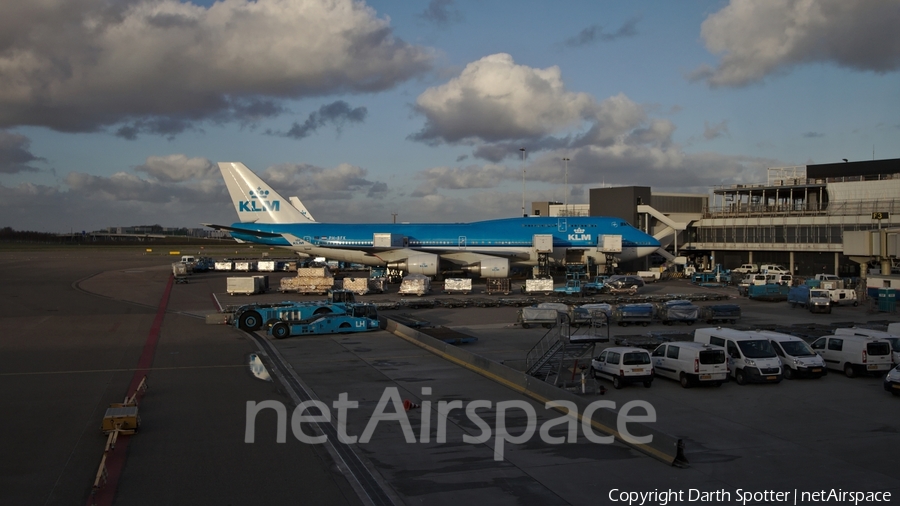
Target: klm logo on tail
x,y
250,206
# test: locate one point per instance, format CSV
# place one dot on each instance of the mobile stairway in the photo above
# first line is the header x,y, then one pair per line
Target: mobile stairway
x,y
563,346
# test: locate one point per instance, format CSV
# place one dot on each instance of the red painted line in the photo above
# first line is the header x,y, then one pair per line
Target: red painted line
x,y
115,459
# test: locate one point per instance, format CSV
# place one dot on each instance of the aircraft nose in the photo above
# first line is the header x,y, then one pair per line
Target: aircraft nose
x,y
643,251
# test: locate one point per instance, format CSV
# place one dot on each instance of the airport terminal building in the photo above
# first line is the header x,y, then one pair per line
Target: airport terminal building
x,y
798,217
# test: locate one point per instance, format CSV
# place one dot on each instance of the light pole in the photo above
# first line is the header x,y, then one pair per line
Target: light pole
x,y
566,199
524,214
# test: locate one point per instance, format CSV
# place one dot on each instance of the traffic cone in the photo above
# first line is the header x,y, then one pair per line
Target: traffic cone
x,y
408,405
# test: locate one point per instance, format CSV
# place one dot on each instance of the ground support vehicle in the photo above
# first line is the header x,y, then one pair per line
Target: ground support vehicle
x,y
770,292
572,287
674,311
691,363
344,318
180,270
813,299
890,337
595,285
751,357
797,358
634,313
841,296
254,316
726,313
623,365
854,354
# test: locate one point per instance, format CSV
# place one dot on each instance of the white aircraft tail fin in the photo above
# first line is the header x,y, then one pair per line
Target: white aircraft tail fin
x,y
300,207
255,201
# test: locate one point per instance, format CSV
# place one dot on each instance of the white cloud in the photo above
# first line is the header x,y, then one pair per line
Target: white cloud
x,y
458,178
79,65
494,99
757,39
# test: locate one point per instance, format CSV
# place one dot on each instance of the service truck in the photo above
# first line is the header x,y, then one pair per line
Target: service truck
x,y
815,300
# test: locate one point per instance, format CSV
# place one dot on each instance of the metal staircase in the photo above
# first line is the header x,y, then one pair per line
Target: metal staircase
x,y
555,352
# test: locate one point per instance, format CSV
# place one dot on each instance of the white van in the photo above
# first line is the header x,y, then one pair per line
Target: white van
x,y
894,339
797,358
751,357
690,363
773,269
854,354
624,365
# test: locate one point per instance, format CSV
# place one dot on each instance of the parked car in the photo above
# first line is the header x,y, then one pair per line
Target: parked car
x,y
624,284
747,269
623,365
892,381
797,358
690,363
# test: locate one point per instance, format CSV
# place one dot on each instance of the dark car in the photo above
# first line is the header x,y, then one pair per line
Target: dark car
x,y
624,284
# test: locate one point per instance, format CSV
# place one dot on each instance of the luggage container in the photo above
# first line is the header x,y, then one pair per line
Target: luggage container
x,y
727,313
546,317
458,285
541,285
243,285
415,284
224,265
679,311
359,286
497,285
634,313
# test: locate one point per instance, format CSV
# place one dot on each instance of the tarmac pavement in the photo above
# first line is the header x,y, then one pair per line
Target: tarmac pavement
x,y
77,322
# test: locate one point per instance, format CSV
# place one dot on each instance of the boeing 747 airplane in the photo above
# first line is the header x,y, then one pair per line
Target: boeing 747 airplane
x,y
483,248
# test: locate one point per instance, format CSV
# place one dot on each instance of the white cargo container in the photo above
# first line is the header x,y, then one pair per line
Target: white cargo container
x,y
267,266
415,284
244,285
544,286
245,265
224,265
461,285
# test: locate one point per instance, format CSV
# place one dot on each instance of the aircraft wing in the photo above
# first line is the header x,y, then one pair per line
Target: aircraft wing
x,y
467,257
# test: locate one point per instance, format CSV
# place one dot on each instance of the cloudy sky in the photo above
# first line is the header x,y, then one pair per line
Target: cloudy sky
x,y
113,113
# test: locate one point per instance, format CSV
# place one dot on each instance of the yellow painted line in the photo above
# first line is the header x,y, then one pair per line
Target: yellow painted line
x,y
603,428
90,371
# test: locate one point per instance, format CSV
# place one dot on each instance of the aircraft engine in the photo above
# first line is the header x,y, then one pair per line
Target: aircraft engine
x,y
490,268
421,263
